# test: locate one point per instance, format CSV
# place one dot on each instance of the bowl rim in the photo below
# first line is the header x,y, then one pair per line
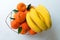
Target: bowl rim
x,y
10,13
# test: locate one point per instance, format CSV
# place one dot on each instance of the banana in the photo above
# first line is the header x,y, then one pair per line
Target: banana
x,y
31,24
42,11
34,16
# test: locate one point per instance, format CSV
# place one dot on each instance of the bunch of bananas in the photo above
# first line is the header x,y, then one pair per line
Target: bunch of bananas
x,y
38,19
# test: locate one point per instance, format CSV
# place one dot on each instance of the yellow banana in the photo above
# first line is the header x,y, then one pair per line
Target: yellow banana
x,y
32,24
42,11
34,16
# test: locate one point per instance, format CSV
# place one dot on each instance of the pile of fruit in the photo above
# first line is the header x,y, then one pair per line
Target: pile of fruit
x,y
30,19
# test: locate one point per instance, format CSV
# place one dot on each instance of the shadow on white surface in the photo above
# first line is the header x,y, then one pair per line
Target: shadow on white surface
x,y
46,35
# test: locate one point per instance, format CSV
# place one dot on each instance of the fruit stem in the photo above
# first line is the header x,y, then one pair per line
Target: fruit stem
x,y
12,18
19,29
29,6
15,10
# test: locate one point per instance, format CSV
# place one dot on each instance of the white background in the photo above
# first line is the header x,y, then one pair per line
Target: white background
x,y
52,5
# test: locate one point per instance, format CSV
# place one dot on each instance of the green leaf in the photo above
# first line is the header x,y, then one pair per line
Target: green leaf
x,y
15,10
29,6
19,29
12,18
